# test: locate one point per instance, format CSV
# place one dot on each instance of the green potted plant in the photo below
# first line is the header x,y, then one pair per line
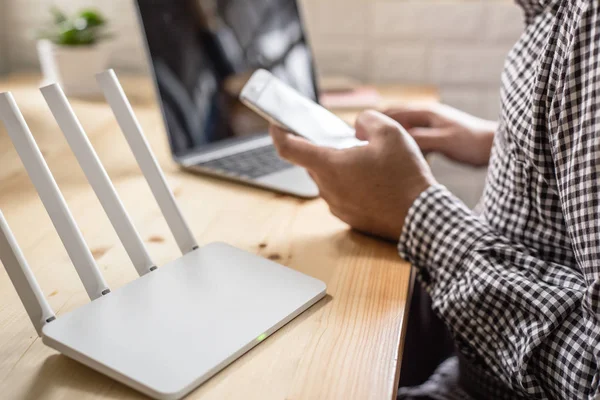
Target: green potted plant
x,y
72,50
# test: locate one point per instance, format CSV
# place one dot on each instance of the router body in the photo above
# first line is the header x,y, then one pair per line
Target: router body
x,y
171,330
174,327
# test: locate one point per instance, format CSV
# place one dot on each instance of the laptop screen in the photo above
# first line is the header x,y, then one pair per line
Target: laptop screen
x,y
203,52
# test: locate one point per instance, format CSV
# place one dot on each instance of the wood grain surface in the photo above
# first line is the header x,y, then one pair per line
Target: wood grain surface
x,y
345,347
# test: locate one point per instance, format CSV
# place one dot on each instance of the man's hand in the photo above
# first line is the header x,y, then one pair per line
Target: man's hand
x,y
371,187
453,133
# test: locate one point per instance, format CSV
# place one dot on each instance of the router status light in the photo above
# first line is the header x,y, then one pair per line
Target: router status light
x,y
261,337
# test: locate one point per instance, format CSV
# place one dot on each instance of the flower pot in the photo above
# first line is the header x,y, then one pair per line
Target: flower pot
x,y
73,67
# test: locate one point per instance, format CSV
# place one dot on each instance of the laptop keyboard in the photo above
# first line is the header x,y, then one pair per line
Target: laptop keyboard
x,y
250,164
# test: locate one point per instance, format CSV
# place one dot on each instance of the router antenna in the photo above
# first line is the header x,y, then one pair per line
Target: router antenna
x,y
51,197
98,178
114,94
22,278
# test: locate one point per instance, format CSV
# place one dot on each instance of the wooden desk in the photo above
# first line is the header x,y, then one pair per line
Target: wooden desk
x,y
346,347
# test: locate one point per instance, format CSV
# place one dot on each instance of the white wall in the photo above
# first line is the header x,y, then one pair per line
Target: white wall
x,y
457,45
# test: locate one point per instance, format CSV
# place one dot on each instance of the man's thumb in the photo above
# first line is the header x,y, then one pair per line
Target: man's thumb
x,y
370,124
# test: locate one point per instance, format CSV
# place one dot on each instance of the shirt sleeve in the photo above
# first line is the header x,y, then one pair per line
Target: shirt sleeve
x,y
529,323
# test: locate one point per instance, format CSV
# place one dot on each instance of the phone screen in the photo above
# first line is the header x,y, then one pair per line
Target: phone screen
x,y
304,117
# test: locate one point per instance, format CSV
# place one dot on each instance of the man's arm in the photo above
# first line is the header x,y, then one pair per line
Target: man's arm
x,y
513,314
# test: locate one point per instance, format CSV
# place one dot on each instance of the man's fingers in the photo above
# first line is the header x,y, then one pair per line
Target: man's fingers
x,y
277,132
371,125
430,139
297,150
411,117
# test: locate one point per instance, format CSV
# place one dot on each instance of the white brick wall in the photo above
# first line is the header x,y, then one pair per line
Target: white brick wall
x,y
457,45
427,20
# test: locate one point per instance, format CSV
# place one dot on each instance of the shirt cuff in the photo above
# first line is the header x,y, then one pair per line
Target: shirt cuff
x,y
438,233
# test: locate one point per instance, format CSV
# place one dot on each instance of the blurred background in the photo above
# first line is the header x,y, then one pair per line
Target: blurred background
x,y
458,46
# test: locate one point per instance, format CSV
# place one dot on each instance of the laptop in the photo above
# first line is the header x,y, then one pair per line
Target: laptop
x,y
201,54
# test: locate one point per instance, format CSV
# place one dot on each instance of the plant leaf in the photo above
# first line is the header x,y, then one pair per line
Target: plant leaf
x,y
93,17
85,28
58,16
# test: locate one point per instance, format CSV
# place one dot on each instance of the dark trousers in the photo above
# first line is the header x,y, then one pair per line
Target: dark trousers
x,y
427,343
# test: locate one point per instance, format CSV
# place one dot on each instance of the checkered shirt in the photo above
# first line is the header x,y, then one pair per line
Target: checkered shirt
x,y
519,285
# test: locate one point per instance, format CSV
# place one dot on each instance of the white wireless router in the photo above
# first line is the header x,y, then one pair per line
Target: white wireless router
x,y
174,327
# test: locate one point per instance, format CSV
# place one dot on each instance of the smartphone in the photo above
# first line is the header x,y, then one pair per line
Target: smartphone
x,y
282,105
